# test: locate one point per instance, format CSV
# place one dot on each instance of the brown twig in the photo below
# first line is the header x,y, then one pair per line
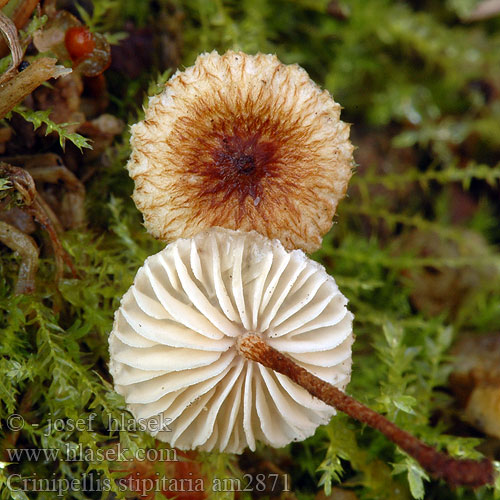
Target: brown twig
x,y
456,472
36,210
17,88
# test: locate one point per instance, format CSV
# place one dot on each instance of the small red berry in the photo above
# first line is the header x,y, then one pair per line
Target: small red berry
x,y
79,42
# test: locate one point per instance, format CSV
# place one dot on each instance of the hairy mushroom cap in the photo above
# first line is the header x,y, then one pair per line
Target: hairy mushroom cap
x,y
174,344
242,142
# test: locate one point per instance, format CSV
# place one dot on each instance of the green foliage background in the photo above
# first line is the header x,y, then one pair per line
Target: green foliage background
x,y
412,76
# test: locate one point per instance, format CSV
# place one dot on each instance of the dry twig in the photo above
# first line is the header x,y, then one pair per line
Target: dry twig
x,y
17,88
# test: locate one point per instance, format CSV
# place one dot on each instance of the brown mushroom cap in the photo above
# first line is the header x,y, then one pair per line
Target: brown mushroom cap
x,y
242,142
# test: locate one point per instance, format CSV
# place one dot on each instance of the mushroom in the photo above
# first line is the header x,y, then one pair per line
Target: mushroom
x,y
226,338
242,142
174,344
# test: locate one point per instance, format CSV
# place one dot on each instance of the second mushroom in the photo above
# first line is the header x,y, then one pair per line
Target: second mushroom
x,y
174,344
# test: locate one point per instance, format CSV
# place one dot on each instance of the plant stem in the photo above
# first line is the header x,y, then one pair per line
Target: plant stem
x,y
456,472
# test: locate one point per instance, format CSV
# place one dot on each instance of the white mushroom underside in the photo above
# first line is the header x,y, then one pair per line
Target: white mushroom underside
x,y
173,345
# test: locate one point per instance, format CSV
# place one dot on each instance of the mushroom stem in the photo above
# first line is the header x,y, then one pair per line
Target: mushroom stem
x,y
456,472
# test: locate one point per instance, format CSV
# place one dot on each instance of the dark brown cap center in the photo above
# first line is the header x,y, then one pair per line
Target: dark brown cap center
x,y
240,163
244,164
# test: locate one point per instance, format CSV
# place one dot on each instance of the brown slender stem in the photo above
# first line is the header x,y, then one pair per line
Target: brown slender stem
x,y
456,472
36,209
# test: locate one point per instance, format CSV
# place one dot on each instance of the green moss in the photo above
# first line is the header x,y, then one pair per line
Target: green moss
x,y
39,118
422,81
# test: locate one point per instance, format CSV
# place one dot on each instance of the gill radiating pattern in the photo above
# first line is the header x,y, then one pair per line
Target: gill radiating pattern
x,y
173,345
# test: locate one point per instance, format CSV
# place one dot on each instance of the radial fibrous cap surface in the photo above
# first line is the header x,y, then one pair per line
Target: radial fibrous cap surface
x,y
174,345
242,142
